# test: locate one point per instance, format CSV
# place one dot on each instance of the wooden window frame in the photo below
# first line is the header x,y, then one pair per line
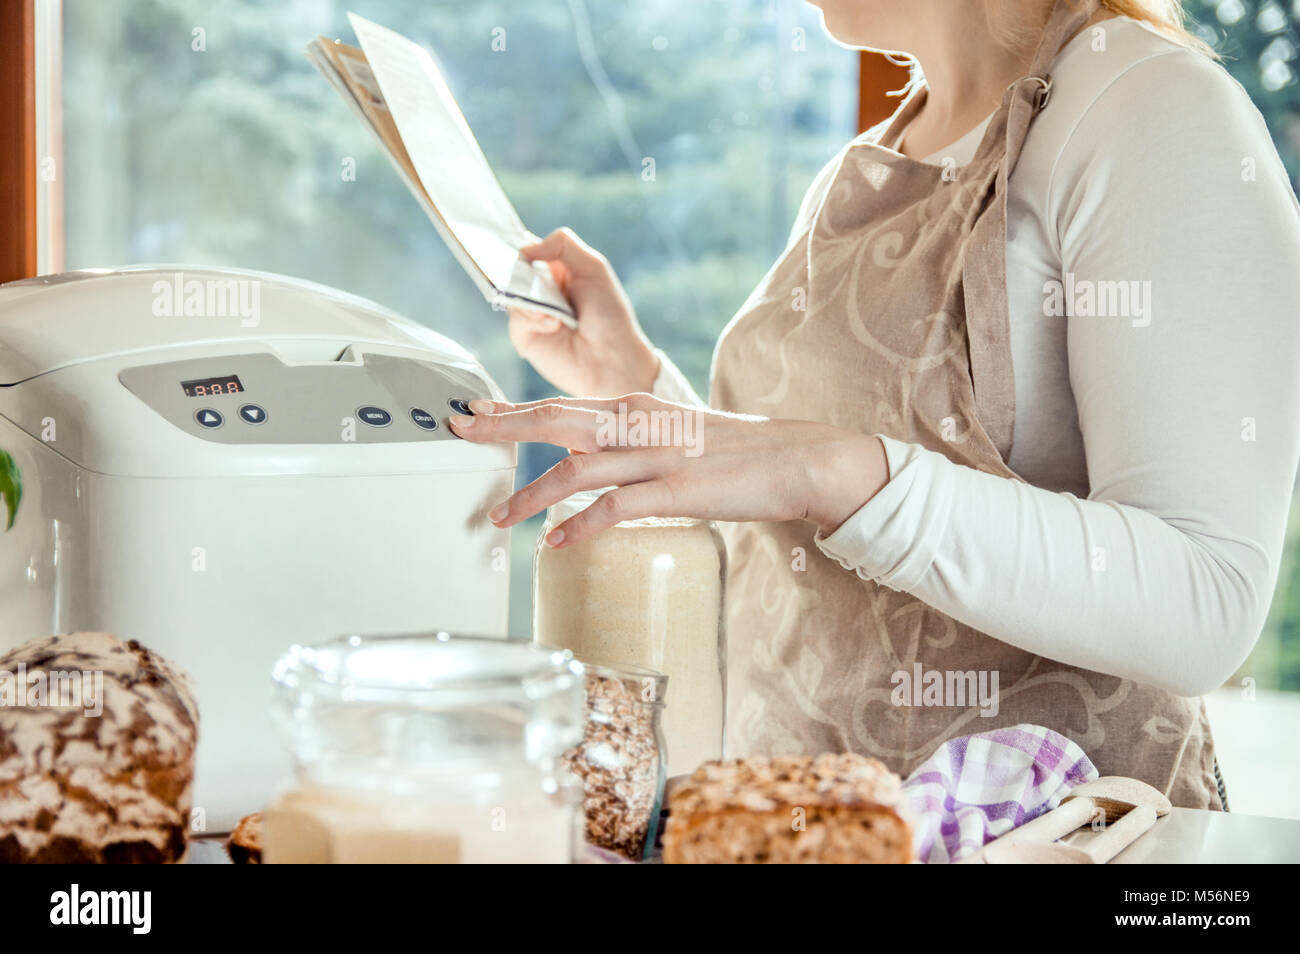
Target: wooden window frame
x,y
31,138
878,76
18,242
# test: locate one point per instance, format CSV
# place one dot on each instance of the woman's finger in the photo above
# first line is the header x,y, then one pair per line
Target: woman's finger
x,y
651,498
576,472
550,423
565,247
535,321
618,404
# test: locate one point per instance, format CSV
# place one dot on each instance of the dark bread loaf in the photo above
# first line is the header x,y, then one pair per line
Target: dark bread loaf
x,y
825,809
84,786
245,843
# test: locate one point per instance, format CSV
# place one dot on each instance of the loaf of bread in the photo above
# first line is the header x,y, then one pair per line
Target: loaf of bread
x,y
245,843
97,744
825,809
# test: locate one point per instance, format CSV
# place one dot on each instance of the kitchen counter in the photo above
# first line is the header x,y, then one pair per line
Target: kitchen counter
x,y
1189,836
1184,836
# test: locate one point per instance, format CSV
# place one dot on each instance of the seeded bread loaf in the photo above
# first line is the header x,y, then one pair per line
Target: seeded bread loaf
x,y
825,809
245,843
97,744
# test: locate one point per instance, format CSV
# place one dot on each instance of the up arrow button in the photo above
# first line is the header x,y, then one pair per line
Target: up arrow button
x,y
209,418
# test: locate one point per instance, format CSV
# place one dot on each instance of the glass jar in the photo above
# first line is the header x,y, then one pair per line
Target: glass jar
x,y
426,749
620,759
644,593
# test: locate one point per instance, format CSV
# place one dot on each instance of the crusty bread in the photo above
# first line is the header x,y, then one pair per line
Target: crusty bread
x,y
827,809
77,786
245,843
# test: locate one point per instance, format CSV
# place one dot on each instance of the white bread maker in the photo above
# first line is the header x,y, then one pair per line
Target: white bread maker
x,y
220,464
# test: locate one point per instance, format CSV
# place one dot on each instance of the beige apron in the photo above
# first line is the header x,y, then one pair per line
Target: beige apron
x,y
900,269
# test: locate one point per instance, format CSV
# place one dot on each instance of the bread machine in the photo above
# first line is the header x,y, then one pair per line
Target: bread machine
x,y
220,464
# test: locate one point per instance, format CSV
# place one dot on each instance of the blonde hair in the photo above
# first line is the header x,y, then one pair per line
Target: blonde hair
x,y
1167,17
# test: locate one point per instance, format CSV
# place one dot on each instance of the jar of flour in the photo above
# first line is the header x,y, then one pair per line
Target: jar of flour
x,y
644,593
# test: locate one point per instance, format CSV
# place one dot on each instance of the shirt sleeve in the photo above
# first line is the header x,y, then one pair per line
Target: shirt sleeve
x,y
1189,409
672,385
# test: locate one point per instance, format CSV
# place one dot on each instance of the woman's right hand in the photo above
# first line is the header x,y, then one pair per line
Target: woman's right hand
x,y
607,354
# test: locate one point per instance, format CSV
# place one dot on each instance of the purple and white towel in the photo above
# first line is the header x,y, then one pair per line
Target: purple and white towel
x,y
978,787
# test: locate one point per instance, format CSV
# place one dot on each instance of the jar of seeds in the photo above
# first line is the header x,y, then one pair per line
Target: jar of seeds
x,y
621,758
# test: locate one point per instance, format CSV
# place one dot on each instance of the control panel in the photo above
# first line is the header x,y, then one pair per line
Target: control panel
x,y
258,399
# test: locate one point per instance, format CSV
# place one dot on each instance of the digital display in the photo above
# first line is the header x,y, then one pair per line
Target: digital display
x,y
210,387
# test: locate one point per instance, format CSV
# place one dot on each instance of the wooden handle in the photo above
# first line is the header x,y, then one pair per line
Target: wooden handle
x,y
1057,823
1120,834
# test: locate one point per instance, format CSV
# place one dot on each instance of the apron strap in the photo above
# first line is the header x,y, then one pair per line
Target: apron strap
x,y
1030,93
985,270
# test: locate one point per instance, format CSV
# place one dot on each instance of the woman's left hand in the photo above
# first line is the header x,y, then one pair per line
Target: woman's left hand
x,y
671,460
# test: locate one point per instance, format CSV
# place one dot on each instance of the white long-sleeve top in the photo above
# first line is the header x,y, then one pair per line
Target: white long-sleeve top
x,y
1159,449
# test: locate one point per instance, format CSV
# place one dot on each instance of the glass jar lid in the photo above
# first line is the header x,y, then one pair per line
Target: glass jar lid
x,y
427,703
573,505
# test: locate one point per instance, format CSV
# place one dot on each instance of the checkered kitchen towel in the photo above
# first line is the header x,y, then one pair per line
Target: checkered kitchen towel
x,y
978,787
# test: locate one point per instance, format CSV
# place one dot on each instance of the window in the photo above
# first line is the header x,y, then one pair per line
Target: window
x,y
678,138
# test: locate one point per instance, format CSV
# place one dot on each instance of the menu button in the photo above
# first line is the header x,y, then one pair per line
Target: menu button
x,y
374,416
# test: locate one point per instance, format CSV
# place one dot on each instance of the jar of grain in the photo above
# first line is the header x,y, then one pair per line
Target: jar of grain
x,y
426,749
644,593
620,759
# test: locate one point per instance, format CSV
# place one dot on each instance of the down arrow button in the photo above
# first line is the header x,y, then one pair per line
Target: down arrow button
x,y
252,414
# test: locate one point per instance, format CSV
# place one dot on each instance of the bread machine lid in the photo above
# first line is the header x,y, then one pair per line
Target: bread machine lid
x,y
59,320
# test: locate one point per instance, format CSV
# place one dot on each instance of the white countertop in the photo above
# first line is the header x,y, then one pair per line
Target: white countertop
x,y
1189,836
1184,836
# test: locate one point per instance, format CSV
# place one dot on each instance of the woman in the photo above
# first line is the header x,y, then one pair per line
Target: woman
x,y
1019,401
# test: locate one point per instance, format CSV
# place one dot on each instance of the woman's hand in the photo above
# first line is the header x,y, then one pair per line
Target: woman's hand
x,y
670,460
607,353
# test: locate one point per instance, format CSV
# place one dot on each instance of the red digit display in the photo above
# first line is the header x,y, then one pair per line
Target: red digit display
x,y
210,387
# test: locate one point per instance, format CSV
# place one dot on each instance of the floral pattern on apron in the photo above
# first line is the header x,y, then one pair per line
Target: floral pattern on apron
x,y
900,270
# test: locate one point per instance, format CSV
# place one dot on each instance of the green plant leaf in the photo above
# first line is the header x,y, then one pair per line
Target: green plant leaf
x,y
11,486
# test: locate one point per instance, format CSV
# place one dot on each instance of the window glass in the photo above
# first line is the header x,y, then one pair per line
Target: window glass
x,y
676,137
